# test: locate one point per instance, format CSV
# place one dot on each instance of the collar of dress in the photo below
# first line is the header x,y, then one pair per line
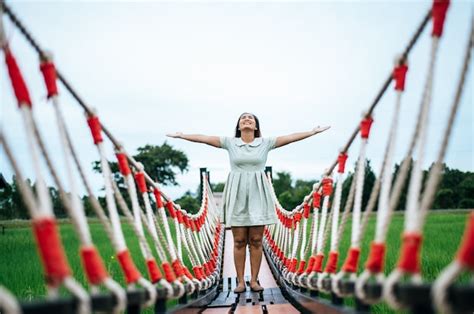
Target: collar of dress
x,y
256,142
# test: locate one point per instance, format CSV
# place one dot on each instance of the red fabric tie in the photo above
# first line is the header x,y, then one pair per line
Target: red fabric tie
x,y
440,7
341,161
18,83
49,75
93,265
51,250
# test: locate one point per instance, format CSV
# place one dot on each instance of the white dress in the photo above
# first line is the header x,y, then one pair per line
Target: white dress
x,y
247,195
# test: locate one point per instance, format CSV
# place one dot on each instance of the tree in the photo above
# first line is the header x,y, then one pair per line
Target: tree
x,y
282,182
161,162
369,180
218,187
188,202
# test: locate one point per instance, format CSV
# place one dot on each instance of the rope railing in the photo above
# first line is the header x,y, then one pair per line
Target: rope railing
x,y
371,287
203,236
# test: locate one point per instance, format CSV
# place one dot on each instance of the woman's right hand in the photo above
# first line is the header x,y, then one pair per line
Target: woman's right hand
x,y
175,135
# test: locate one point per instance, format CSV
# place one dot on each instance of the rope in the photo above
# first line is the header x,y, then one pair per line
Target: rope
x,y
352,259
409,258
93,263
55,264
8,302
464,259
331,264
319,255
374,264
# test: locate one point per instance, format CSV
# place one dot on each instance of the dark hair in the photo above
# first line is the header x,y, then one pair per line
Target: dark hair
x,y
257,124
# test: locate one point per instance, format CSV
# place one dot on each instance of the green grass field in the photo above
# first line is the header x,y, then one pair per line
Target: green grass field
x,y
21,271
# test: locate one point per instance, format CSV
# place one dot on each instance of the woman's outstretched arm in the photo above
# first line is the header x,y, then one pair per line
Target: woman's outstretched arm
x,y
198,138
287,139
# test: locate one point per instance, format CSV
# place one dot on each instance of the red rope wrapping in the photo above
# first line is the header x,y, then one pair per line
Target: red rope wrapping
x,y
197,272
153,270
49,244
206,269
293,264
49,75
123,164
177,267
170,207
159,201
128,267
466,252
318,263
376,257
327,186
365,125
96,129
331,265
316,200
169,274
410,253
93,265
18,83
301,267
440,7
297,218
141,183
306,211
187,273
309,269
341,161
352,260
399,75
179,214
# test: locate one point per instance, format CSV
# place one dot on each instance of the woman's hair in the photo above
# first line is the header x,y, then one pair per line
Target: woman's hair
x,y
256,133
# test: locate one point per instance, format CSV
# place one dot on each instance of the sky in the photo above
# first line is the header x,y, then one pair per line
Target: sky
x,y
152,68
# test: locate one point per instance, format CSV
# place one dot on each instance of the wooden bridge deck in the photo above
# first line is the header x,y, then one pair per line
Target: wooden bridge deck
x,y
268,301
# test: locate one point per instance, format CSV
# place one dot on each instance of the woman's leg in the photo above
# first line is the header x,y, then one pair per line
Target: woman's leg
x,y
255,238
240,243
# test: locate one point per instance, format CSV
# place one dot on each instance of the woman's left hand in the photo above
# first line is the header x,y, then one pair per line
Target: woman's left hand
x,y
320,129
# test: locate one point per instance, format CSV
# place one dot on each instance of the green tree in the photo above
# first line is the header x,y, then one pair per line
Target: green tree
x,y
189,202
282,182
369,180
161,162
218,187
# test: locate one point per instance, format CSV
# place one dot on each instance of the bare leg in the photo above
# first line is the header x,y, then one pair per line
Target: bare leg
x,y
255,237
240,242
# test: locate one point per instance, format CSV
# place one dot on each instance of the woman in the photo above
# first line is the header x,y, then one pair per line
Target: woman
x,y
248,203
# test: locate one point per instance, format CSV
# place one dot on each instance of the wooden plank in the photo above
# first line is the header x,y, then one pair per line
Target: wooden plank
x,y
281,309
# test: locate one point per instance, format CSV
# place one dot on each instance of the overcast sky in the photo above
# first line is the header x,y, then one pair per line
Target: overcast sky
x,y
151,68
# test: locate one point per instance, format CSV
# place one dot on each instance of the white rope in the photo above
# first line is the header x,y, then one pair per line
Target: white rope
x,y
383,209
77,210
449,274
335,214
8,302
412,221
44,200
356,213
383,213
412,214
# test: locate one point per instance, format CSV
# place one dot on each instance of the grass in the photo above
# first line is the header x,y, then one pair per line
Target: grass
x,y
21,271
441,237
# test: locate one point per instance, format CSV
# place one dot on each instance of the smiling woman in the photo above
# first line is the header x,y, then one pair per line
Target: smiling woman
x,y
248,202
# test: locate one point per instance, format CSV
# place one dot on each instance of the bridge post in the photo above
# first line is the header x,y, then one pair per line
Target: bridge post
x,y
201,171
268,170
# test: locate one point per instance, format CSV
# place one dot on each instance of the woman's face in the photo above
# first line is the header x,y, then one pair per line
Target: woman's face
x,y
247,122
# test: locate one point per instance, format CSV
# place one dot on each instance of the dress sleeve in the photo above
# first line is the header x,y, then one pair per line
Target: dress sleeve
x,y
270,143
224,142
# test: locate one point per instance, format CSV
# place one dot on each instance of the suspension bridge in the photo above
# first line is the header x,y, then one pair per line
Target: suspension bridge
x,y
188,257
